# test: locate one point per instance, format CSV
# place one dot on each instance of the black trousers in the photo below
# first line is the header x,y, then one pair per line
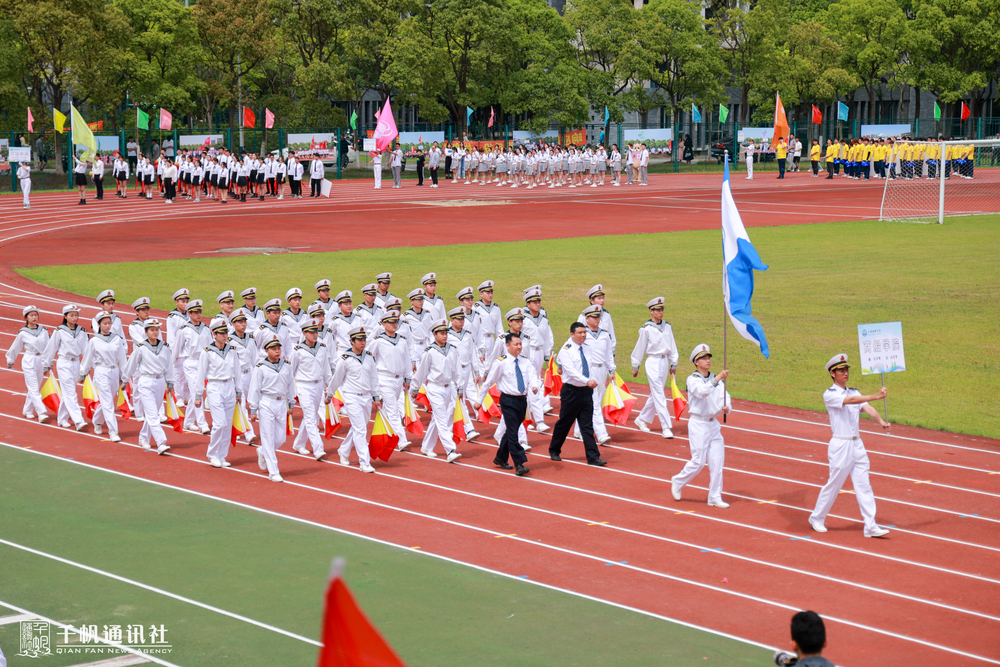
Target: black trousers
x,y
314,185
576,404
99,185
447,167
171,188
781,167
434,175
420,174
514,408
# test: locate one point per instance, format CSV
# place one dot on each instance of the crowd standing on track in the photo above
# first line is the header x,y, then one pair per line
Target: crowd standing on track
x,y
253,364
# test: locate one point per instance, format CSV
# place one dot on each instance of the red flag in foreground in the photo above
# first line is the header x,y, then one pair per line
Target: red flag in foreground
x,y
349,638
679,402
553,378
384,439
422,398
122,404
490,406
240,425
458,426
411,422
617,404
174,416
332,422
90,400
51,394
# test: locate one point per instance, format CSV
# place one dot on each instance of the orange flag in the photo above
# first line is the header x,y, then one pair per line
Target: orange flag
x,y
781,129
384,439
332,422
349,638
51,394
174,416
90,399
458,426
679,402
553,378
122,404
617,404
411,422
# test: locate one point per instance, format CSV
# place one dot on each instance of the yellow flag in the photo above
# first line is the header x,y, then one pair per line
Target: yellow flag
x,y
59,120
83,135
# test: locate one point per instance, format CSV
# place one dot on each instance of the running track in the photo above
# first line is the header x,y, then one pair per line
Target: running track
x,y
926,595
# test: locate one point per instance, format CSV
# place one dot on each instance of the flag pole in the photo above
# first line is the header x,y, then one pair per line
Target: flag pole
x,y
725,329
885,402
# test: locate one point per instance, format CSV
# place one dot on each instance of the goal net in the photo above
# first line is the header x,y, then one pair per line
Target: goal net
x,y
926,181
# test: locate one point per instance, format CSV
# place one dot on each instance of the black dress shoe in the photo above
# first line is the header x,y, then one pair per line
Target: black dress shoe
x,y
503,465
522,471
597,462
554,456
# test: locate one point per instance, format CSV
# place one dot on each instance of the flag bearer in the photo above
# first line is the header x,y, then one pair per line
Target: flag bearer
x,y
194,337
68,341
243,342
391,351
656,343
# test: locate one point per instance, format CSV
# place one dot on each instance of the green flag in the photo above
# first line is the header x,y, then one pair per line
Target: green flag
x,y
937,111
723,113
354,120
141,119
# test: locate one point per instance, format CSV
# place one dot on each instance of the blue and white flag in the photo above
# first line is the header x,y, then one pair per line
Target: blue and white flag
x,y
740,260
468,114
695,114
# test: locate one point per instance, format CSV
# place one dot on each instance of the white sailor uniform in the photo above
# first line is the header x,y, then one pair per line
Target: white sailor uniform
x,y
220,369
656,343
33,343
438,372
706,399
356,377
310,371
69,344
602,366
271,397
154,365
193,339
394,366
107,356
246,347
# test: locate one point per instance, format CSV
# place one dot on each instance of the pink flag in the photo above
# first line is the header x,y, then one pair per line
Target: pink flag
x,y
490,124
377,112
31,121
385,131
166,120
268,119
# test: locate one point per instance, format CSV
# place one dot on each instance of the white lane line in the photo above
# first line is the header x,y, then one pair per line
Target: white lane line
x,y
16,618
128,649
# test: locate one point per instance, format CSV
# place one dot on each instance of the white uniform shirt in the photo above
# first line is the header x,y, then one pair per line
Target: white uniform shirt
x,y
340,325
246,347
255,317
311,364
435,306
571,366
392,355
67,343
316,169
31,341
656,340
175,320
153,361
468,359
266,332
420,335
355,374
438,365
218,365
706,396
23,173
601,350
843,418
504,375
116,325
490,324
543,341
273,380
371,315
192,339
109,351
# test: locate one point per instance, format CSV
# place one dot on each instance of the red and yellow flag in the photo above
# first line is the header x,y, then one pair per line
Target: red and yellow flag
x,y
122,404
51,394
173,413
331,422
617,404
620,383
411,422
337,400
384,439
240,425
289,426
458,427
490,405
553,378
422,398
679,402
90,399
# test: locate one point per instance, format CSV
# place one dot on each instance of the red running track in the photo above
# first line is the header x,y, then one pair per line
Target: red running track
x,y
926,595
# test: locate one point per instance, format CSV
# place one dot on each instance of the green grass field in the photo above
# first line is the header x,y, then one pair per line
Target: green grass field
x,y
274,570
823,281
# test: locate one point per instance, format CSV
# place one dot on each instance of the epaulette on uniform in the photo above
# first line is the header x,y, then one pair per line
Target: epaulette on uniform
x,y
567,346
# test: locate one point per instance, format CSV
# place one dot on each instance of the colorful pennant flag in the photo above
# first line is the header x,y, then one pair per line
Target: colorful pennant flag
x,y
966,112
553,378
249,117
422,398
621,383
349,638
458,425
490,405
679,401
492,116
781,129
289,426
51,394
843,111
31,121
384,439
123,405
354,119
331,422
617,404
58,120
817,115
337,401
90,399
695,114
166,119
937,111
723,113
174,416
385,129
83,135
141,119
240,425
411,422
268,119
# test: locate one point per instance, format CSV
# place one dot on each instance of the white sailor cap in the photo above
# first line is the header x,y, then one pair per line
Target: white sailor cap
x,y
464,293
837,362
141,302
370,288
533,295
219,325
150,323
429,278
533,288
486,285
594,310
323,284
439,325
514,314
273,304
70,308
295,291
700,351
384,277
655,303
274,342
595,291
249,293
238,316
416,294
389,316
103,315
182,293
393,303
344,296
106,295
310,327
29,309
358,332
314,308
456,313
228,295
196,304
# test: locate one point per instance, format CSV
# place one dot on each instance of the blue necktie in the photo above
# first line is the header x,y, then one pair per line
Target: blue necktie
x,y
583,360
520,378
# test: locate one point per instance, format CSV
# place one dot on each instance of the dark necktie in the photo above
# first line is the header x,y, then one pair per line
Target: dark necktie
x,y
583,360
520,377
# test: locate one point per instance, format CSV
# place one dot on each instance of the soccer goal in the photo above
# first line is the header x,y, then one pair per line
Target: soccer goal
x,y
928,180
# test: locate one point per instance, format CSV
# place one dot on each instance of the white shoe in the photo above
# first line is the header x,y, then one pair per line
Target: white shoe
x,y
42,419
675,490
718,503
319,455
63,424
278,480
817,526
163,419
116,438
878,532
226,464
344,461
216,463
594,185
302,450
525,446
367,468
205,430
471,435
605,440
454,456
542,428
276,477
547,410
162,449
144,444
97,429
431,454
79,427
401,447
668,434
643,426
261,463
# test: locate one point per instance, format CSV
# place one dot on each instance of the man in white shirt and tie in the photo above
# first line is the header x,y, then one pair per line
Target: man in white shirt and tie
x,y
576,399
514,377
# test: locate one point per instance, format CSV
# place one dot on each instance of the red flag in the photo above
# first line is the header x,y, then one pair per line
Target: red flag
x,y
349,638
383,441
490,406
51,394
966,112
31,121
411,421
122,404
553,378
781,128
312,143
208,142
90,399
490,124
322,145
289,427
268,119
337,401
249,118
422,398
332,422
817,115
678,397
617,404
174,416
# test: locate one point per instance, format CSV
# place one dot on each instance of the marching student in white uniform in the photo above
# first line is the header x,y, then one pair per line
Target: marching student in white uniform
x,y
356,377
106,354
311,367
600,354
69,340
243,342
417,319
254,315
656,343
294,316
271,399
707,399
152,361
467,363
32,340
272,326
597,296
368,310
107,301
846,451
24,179
438,372
193,337
490,319
433,304
391,351
176,319
341,323
322,288
540,346
219,373
382,283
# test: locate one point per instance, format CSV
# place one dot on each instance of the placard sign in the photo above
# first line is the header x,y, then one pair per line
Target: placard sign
x,y
369,144
19,154
881,348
